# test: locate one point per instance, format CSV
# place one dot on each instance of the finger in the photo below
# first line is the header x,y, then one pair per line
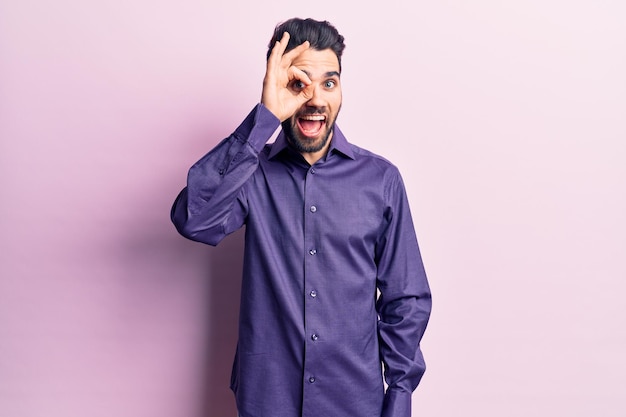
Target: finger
x,y
292,54
296,73
279,47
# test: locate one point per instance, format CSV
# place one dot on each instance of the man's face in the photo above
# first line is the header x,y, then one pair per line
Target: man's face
x,y
310,128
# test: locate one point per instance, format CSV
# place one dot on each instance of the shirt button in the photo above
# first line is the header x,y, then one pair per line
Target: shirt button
x,y
311,379
313,293
314,337
312,252
313,209
312,171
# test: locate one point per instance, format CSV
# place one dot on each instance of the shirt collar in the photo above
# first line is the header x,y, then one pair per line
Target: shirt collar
x,y
338,143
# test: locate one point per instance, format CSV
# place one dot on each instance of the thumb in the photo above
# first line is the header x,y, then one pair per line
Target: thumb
x,y
306,93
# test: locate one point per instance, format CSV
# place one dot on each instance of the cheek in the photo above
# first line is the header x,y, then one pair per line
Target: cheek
x,y
336,106
334,101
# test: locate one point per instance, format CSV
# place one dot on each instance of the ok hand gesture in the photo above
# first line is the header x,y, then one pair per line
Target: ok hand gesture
x,y
279,95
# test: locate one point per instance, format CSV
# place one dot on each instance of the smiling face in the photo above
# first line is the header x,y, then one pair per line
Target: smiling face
x,y
310,129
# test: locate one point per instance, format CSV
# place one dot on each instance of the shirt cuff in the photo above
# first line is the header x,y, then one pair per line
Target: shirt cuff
x,y
397,404
258,127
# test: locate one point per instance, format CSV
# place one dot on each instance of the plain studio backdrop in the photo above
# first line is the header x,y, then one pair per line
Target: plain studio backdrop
x,y
506,119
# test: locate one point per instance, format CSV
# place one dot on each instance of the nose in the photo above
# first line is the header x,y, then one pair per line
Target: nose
x,y
317,97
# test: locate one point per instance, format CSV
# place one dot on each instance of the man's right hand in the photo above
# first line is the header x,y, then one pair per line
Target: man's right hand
x,y
279,95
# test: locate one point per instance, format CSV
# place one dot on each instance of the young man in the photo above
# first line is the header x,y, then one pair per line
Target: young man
x,y
327,226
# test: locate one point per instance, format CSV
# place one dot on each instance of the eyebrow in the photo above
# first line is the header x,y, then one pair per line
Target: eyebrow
x,y
329,74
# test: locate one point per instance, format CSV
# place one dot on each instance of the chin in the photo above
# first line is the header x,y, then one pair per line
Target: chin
x,y
309,145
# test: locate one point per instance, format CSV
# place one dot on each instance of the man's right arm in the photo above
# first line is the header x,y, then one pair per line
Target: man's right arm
x,y
210,206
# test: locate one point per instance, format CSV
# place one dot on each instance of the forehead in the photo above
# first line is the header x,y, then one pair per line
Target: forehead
x,y
317,63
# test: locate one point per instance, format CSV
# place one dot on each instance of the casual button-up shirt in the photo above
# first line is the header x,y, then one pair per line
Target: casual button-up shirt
x,y
334,293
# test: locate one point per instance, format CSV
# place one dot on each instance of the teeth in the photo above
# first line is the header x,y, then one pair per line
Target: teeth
x,y
313,117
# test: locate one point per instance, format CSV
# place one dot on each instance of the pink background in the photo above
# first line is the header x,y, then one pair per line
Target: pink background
x,y
507,120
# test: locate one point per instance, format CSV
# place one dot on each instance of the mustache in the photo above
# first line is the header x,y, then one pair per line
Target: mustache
x,y
309,111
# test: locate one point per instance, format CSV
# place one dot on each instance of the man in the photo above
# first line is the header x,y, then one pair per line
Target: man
x,y
328,226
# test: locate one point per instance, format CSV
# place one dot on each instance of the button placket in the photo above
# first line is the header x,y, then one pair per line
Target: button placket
x,y
313,340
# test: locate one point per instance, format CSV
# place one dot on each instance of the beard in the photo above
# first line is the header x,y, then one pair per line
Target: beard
x,y
305,144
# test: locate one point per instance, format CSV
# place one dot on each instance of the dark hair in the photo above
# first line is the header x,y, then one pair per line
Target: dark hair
x,y
320,34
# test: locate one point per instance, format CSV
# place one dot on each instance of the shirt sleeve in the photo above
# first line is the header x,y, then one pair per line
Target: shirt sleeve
x,y
404,303
212,204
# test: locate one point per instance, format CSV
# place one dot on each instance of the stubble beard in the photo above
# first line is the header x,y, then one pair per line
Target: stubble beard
x,y
305,145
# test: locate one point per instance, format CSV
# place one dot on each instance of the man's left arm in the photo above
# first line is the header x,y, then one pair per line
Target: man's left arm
x,y
404,303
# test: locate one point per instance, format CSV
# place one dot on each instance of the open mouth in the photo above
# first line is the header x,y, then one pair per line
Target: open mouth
x,y
311,125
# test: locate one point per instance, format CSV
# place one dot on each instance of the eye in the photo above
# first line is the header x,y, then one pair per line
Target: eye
x,y
297,85
330,84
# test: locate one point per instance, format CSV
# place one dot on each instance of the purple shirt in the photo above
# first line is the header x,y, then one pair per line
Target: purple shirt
x,y
320,241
